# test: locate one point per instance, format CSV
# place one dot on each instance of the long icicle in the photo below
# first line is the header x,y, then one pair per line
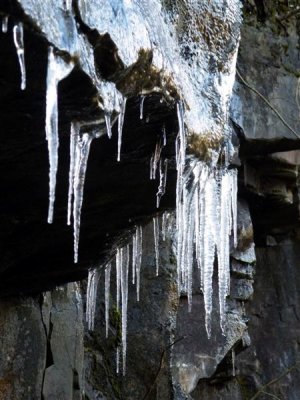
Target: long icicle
x,y
107,295
18,33
81,159
91,296
156,242
120,127
124,293
119,261
74,136
208,250
57,70
139,238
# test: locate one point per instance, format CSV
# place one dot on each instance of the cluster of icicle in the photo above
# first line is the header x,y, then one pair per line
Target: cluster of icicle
x,y
125,256
18,36
80,143
206,216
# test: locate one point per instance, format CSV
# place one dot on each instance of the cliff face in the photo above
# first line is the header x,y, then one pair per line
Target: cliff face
x,y
47,350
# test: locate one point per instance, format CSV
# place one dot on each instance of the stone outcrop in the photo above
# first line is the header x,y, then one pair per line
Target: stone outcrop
x,y
42,346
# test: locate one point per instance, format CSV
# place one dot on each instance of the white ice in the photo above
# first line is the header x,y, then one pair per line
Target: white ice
x,y
58,69
107,296
4,24
91,297
18,34
82,149
120,127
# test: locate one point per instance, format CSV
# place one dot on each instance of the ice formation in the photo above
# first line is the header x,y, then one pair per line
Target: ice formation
x,y
142,106
156,242
205,193
107,295
155,158
58,69
163,170
4,24
206,216
91,297
122,275
108,124
82,149
120,127
18,33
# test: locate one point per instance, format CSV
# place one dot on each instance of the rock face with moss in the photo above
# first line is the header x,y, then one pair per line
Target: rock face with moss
x,y
177,50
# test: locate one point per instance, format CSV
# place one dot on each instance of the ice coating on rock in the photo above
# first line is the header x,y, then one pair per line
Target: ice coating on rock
x,y
132,27
107,296
68,5
91,297
82,149
58,69
18,34
4,24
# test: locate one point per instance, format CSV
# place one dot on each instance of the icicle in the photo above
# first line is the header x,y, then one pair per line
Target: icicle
x,y
134,255
164,136
223,248
91,297
233,361
209,249
108,124
81,159
120,127
107,294
19,44
74,136
118,360
155,160
234,189
69,5
139,241
180,164
4,24
162,181
151,167
124,293
142,107
119,259
57,70
156,242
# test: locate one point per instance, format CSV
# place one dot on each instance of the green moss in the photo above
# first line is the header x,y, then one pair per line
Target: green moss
x,y
116,322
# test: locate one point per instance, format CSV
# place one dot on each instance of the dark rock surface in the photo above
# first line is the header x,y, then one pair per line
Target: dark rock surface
x,y
42,346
